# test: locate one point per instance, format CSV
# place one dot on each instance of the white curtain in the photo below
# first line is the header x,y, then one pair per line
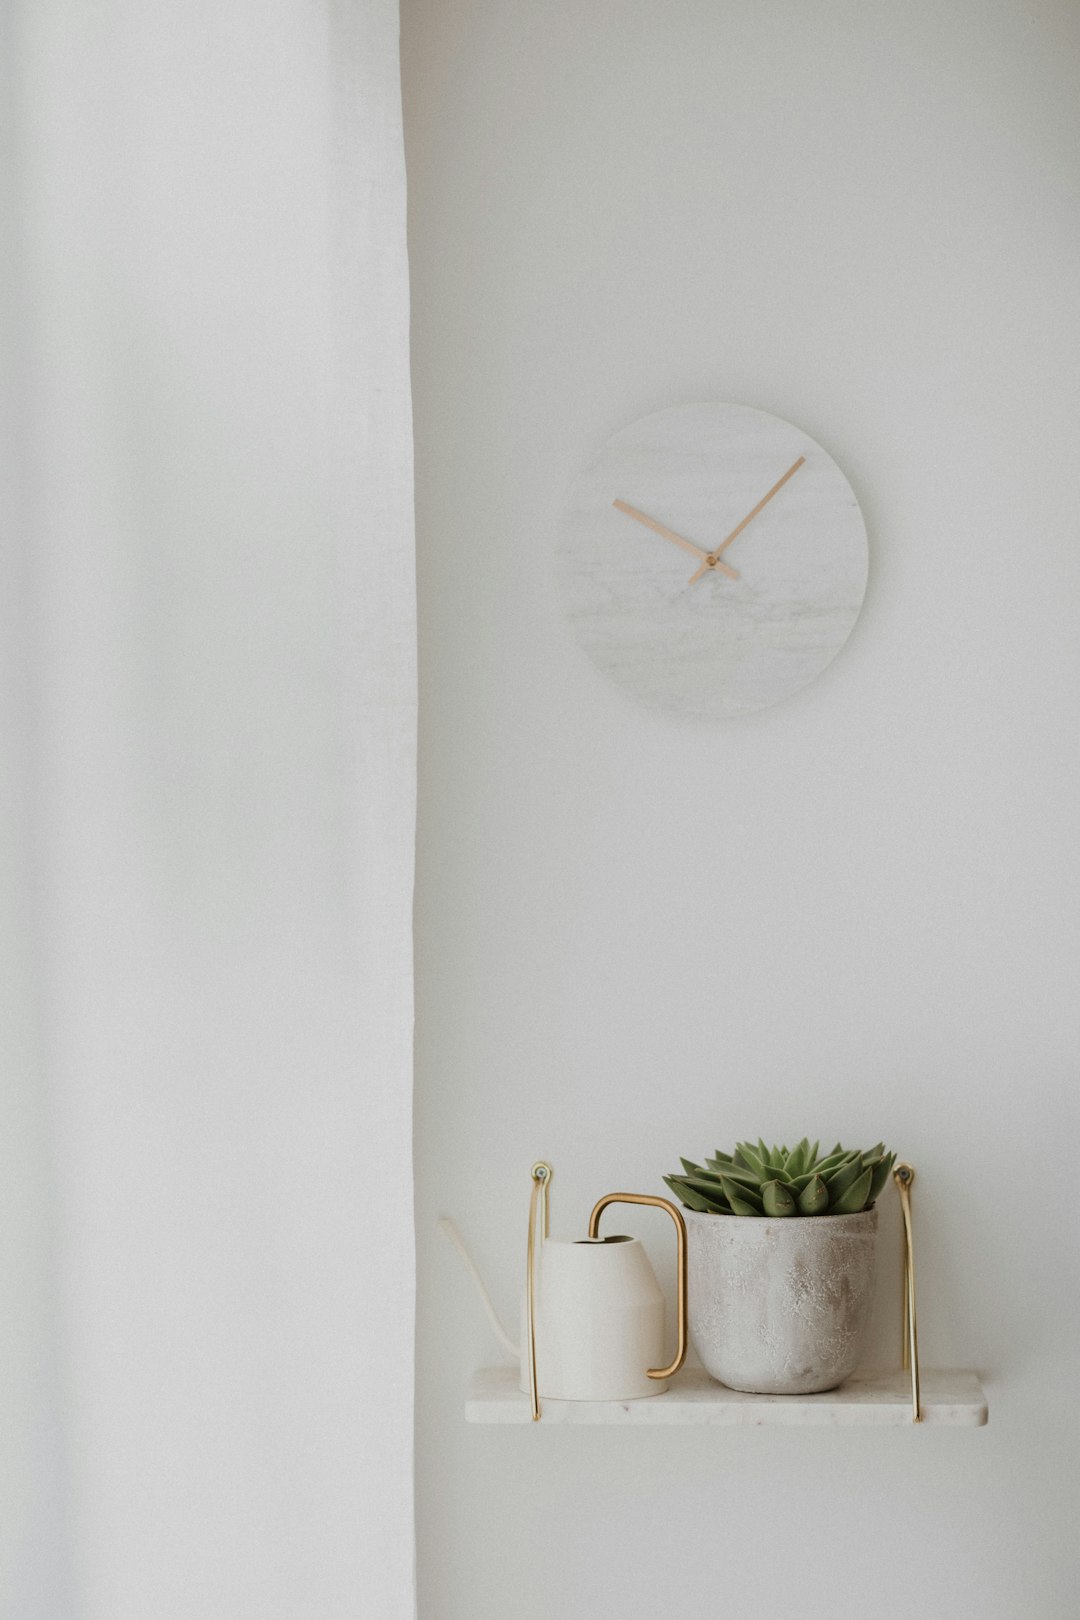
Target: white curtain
x,y
208,716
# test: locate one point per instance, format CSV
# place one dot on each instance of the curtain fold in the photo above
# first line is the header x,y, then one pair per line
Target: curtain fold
x,y
209,723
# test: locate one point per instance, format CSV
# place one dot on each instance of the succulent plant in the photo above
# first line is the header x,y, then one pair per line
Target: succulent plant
x,y
759,1180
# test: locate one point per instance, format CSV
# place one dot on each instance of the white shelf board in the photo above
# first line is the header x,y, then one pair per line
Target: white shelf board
x,y
867,1400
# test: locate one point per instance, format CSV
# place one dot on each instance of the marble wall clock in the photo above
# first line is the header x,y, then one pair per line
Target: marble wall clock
x,y
712,559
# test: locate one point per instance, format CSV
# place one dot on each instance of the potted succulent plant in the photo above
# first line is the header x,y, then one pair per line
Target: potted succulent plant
x,y
781,1262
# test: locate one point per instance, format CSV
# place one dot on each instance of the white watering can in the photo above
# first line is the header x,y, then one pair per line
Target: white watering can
x,y
592,1311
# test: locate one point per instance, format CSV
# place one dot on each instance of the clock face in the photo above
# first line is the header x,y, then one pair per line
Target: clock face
x,y
712,559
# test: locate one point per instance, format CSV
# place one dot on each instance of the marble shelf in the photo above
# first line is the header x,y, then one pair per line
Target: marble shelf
x,y
867,1400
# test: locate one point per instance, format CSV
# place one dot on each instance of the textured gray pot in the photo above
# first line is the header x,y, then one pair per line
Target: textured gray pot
x,y
780,1306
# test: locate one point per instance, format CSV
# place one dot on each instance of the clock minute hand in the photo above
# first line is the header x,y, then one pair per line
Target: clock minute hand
x,y
676,539
712,559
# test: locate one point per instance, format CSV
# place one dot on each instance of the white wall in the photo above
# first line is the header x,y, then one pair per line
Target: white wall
x,y
207,753
854,915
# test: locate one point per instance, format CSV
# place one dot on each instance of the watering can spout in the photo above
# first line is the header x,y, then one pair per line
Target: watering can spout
x,y
451,1232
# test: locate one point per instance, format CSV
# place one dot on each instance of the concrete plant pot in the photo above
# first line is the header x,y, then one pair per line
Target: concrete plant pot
x,y
780,1306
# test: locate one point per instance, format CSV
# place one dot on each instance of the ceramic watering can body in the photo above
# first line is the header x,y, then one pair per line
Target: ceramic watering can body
x,y
594,1313
599,1322
592,1316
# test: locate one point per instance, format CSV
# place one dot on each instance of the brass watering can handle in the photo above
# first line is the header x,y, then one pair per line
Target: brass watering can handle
x,y
680,1233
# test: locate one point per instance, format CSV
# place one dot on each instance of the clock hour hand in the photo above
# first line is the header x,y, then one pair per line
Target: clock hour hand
x,y
669,533
712,558
676,539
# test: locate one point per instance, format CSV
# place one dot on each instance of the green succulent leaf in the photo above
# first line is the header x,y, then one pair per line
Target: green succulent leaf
x,y
704,1203
712,1192
814,1197
798,1159
738,1192
854,1197
778,1181
840,1180
735,1172
753,1160
880,1177
777,1199
739,1206
706,1173
833,1161
706,1188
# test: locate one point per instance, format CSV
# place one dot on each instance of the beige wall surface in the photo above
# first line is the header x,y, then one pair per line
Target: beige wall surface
x,y
855,914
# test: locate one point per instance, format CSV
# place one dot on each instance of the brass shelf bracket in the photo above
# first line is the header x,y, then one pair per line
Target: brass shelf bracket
x,y
539,1215
904,1176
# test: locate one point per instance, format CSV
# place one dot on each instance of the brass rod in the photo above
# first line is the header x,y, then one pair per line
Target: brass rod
x,y
538,1204
904,1176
